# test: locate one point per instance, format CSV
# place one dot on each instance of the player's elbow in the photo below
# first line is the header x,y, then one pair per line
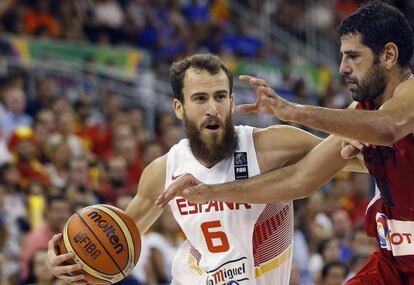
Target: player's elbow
x,y
387,133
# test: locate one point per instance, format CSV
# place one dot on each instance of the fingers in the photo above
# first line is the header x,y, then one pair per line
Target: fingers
x,y
60,259
199,194
67,271
165,198
74,280
53,242
357,145
246,108
253,81
349,152
269,92
175,189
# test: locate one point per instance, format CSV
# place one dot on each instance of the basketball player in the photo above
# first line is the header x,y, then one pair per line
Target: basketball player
x,y
231,243
376,47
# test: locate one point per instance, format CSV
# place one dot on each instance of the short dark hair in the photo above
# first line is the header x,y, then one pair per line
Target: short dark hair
x,y
328,266
379,24
210,62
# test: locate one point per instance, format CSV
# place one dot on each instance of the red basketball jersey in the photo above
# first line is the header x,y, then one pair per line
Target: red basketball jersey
x,y
390,215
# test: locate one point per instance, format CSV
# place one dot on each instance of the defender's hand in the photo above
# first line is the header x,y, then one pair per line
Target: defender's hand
x,y
67,273
267,100
176,189
351,148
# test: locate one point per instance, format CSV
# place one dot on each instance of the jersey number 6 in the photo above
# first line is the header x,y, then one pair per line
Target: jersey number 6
x,y
211,235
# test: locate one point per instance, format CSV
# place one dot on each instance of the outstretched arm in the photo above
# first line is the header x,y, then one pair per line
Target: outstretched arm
x,y
295,181
394,120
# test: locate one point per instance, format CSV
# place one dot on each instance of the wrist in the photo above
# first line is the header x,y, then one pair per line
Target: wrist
x,y
294,112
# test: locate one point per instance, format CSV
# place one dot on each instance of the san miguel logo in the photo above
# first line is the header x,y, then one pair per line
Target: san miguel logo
x,y
229,273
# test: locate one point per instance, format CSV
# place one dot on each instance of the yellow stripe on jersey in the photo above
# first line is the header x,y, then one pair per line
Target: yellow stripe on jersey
x,y
262,269
192,262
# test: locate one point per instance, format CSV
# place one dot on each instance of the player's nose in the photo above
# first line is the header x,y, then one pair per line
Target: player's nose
x,y
212,108
344,68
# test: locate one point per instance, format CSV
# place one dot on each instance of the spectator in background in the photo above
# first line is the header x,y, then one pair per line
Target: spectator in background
x,y
40,272
328,251
171,136
128,150
44,125
361,247
22,145
57,212
356,202
150,151
14,99
38,20
344,8
115,185
163,244
81,185
10,242
45,94
57,166
300,250
15,198
65,133
136,119
107,19
66,12
334,273
342,230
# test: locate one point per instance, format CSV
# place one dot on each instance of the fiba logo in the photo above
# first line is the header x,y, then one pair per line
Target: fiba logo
x,y
382,229
232,282
240,158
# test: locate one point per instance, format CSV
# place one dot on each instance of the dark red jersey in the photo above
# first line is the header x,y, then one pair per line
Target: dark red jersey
x,y
390,215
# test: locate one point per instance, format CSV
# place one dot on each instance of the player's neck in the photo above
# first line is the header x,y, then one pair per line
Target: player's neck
x,y
395,79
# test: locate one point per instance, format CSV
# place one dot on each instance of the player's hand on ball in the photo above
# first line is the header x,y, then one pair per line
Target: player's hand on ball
x,y
267,101
351,148
178,188
67,273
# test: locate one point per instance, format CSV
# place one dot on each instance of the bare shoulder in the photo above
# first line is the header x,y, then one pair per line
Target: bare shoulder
x,y
278,146
153,177
405,88
281,136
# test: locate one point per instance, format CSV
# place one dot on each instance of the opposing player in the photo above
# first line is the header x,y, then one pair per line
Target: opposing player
x,y
376,47
231,243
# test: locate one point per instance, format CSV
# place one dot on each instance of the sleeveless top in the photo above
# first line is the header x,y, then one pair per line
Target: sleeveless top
x,y
232,243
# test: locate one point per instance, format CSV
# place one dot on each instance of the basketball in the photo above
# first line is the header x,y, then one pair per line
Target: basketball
x,y
106,242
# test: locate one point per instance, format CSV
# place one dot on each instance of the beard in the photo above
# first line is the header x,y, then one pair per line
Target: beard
x,y
216,150
371,86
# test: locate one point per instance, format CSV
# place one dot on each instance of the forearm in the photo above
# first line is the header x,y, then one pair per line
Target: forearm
x,y
288,183
143,212
373,127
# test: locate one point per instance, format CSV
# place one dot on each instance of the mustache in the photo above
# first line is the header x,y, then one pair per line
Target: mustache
x,y
212,120
349,79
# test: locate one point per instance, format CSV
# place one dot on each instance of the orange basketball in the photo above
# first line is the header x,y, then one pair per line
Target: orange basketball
x,y
106,242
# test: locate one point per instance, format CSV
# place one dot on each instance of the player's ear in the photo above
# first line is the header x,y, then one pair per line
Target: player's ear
x,y
390,55
178,108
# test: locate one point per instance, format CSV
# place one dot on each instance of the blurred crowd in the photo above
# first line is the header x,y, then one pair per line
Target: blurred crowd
x,y
169,29
59,154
